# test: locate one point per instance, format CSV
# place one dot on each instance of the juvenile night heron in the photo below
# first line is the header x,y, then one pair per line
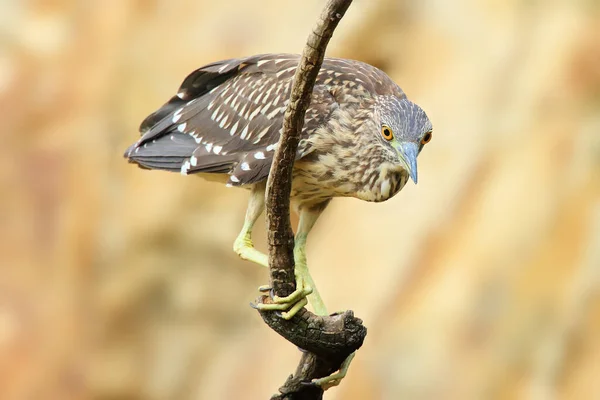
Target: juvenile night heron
x,y
361,138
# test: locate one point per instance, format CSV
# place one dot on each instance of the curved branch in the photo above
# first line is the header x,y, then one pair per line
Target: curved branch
x,y
328,340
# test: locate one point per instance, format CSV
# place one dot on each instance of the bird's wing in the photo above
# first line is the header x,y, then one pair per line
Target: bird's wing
x,y
226,118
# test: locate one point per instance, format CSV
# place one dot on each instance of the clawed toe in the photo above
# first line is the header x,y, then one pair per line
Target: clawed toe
x,y
265,289
295,308
335,378
288,305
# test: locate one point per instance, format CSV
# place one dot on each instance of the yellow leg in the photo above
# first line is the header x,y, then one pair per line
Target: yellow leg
x,y
243,245
307,221
305,225
305,286
335,378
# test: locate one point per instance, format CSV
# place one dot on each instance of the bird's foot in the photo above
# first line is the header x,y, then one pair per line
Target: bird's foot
x,y
289,305
335,378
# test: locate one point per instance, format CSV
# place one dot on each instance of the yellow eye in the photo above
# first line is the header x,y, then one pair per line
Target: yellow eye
x,y
387,133
427,138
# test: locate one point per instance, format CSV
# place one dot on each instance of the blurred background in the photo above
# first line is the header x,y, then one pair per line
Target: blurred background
x,y
481,282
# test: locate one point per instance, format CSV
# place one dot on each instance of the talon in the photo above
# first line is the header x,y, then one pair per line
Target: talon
x,y
302,290
288,305
265,289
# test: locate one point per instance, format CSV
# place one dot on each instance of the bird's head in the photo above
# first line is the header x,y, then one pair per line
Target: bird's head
x,y
404,129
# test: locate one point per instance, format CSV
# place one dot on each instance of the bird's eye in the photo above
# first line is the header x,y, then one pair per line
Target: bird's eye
x,y
387,133
427,138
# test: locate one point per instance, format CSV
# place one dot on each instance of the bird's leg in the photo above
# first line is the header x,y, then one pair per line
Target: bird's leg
x,y
335,378
305,286
307,221
243,245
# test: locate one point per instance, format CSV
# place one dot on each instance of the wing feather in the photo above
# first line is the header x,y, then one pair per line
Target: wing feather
x,y
228,115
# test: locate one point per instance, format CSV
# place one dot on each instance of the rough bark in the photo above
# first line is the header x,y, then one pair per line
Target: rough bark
x,y
325,340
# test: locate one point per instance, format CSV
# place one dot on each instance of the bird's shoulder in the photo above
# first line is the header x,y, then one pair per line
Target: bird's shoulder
x,y
357,78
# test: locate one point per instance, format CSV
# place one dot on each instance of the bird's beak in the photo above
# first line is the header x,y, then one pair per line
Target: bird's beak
x,y
409,152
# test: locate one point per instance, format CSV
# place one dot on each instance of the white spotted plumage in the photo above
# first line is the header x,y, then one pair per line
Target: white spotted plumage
x,y
254,113
185,168
224,67
177,115
245,132
234,128
261,134
265,108
227,118
257,100
223,122
273,113
261,62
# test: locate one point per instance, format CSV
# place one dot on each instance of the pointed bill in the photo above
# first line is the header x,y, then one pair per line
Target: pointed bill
x,y
409,152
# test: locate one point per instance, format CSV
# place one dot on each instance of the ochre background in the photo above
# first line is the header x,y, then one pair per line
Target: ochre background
x,y
480,282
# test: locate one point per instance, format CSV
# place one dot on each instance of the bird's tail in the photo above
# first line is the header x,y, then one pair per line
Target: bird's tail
x,y
169,152
178,152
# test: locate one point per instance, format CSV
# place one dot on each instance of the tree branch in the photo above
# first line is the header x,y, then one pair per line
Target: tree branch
x,y
326,340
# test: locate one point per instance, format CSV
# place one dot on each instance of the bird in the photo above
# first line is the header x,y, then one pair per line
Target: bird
x,y
361,138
